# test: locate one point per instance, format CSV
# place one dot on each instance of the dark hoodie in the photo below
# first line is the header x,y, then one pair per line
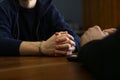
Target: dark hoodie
x,y
49,21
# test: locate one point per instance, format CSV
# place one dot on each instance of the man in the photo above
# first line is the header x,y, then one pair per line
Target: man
x,y
34,27
99,52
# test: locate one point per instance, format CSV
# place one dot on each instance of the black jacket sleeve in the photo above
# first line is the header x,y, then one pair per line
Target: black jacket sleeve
x,y
101,57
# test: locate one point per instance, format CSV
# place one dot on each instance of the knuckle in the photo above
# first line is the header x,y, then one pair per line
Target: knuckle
x,y
68,46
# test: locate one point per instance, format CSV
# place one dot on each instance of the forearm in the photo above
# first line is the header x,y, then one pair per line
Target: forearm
x,y
30,48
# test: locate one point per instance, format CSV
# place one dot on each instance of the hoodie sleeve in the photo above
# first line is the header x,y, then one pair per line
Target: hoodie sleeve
x,y
8,45
60,25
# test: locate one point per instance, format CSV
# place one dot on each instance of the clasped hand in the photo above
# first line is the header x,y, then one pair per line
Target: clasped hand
x,y
95,33
60,44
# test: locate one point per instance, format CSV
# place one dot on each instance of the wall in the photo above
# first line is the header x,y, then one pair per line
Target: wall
x,y
71,10
105,13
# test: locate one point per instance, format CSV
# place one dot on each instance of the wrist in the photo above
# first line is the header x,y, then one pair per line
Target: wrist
x,y
41,48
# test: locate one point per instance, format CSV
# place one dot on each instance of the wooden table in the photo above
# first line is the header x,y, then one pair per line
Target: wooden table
x,y
41,68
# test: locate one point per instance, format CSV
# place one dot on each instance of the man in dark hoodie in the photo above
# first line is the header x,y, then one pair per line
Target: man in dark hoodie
x,y
34,27
99,52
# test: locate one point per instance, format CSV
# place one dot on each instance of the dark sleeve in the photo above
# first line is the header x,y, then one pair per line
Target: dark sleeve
x,y
8,45
59,24
101,57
